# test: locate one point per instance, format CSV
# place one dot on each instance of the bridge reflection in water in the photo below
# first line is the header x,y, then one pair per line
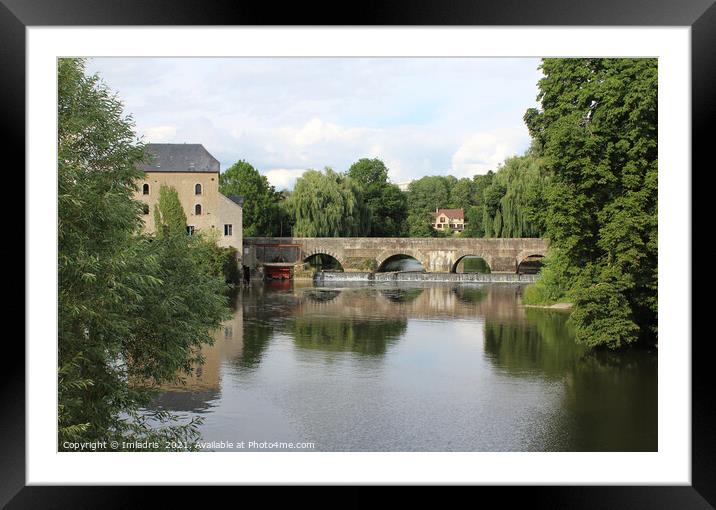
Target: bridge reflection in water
x,y
390,367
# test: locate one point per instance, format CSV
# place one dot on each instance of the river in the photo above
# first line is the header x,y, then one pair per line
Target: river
x,y
411,367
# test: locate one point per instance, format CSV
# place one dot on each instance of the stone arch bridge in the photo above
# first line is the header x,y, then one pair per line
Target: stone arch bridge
x,y
437,255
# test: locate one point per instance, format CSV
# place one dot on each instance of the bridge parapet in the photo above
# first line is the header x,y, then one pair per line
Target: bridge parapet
x,y
437,255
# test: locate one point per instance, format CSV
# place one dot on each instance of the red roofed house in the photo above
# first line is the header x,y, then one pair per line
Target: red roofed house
x,y
449,218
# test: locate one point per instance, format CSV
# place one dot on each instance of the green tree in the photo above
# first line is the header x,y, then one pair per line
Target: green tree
x,y
462,194
473,222
261,201
127,320
420,225
428,193
169,216
327,204
513,198
386,204
597,134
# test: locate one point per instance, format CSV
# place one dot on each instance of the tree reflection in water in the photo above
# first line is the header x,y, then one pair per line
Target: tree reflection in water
x,y
470,295
612,396
341,334
319,295
401,295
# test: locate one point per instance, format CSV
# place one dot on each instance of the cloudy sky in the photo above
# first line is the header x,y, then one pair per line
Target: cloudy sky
x,y
421,116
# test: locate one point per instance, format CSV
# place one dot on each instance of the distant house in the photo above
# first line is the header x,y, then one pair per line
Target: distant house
x,y
453,219
194,173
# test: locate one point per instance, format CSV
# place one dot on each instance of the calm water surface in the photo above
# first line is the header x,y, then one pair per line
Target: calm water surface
x,y
415,368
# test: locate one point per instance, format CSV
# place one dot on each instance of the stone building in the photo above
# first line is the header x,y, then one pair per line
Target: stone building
x,y
449,218
194,173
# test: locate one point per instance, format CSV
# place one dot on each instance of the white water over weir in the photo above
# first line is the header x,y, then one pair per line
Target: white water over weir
x,y
409,276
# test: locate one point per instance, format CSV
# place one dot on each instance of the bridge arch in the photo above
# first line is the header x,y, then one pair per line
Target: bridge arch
x,y
320,252
385,255
535,252
529,264
463,254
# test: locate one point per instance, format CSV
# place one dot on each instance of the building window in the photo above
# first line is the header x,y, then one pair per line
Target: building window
x,y
197,209
145,189
145,208
228,230
190,230
197,189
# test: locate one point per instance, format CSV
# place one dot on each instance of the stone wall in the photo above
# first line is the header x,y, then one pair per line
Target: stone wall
x,y
437,255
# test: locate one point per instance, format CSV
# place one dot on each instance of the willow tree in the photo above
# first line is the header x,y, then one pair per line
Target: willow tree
x,y
327,204
514,204
597,133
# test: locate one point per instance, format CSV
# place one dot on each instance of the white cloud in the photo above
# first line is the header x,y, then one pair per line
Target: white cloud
x,y
422,116
159,133
482,152
283,178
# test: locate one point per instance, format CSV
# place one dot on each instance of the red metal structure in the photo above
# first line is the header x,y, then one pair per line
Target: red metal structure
x,y
277,273
278,259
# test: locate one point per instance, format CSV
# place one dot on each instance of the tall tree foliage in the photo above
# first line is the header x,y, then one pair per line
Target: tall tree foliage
x,y
506,203
127,320
327,204
169,216
513,201
597,133
386,204
261,214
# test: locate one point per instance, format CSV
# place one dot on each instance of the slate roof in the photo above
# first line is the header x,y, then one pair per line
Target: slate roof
x,y
178,157
453,214
236,199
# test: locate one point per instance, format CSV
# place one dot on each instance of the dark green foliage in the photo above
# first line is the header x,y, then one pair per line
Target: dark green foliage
x,y
419,225
261,212
462,194
506,203
597,135
220,261
513,201
327,204
132,310
428,193
386,204
341,334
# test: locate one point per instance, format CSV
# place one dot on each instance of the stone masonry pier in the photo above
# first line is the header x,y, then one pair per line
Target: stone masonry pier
x,y
437,255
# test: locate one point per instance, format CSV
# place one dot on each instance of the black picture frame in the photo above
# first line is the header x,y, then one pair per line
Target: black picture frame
x,y
700,15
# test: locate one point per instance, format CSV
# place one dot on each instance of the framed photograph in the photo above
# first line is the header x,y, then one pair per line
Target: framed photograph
x,y
419,246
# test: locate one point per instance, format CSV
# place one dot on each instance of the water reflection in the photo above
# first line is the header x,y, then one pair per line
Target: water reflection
x,y
609,400
405,367
534,344
401,295
337,334
469,294
321,295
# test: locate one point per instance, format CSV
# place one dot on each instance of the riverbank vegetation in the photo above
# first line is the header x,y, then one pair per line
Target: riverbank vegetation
x,y
596,133
133,309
